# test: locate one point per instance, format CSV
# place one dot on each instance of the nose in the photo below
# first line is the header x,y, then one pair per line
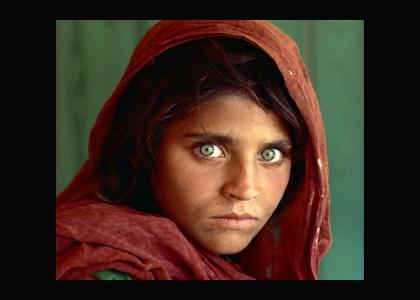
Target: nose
x,y
241,182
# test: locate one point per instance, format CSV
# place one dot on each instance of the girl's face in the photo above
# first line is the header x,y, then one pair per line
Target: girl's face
x,y
221,185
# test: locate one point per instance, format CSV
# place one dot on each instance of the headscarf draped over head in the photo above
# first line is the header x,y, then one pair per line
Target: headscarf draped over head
x,y
93,235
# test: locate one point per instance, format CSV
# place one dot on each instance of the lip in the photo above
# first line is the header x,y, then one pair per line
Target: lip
x,y
235,221
236,216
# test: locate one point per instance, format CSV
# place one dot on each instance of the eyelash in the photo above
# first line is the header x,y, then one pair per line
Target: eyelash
x,y
197,146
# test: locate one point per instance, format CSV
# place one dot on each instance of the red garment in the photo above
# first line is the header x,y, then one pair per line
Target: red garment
x,y
93,235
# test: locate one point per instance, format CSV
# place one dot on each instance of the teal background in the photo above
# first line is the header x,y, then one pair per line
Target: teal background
x,y
91,57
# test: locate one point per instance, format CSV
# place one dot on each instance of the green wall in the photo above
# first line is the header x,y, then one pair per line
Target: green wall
x,y
92,56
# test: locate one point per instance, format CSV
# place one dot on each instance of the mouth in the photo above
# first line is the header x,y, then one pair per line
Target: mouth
x,y
235,221
236,216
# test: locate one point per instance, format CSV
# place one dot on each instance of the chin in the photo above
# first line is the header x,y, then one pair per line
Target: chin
x,y
228,248
231,252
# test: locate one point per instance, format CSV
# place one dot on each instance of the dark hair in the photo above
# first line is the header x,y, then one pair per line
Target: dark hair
x,y
175,84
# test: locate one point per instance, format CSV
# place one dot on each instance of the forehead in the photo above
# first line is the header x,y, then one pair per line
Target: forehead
x,y
234,114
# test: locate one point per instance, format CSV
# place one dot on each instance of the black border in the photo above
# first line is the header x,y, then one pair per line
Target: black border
x,y
38,250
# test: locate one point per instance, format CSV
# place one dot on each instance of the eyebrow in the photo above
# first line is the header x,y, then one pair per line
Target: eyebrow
x,y
283,144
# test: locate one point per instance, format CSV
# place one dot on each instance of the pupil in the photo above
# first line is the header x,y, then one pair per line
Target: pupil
x,y
207,149
268,154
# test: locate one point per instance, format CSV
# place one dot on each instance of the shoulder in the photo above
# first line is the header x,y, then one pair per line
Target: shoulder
x,y
112,217
111,274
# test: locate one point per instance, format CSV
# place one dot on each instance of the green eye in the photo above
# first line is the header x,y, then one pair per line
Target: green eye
x,y
268,154
211,150
271,155
207,149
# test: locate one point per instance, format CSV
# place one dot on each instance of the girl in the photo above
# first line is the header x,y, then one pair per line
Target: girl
x,y
207,162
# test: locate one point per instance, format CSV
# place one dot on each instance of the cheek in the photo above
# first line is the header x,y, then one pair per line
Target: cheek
x,y
274,184
181,183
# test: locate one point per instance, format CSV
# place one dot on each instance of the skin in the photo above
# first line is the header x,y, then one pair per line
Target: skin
x,y
192,188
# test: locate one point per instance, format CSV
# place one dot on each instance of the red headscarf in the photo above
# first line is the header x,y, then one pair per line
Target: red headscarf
x,y
93,235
